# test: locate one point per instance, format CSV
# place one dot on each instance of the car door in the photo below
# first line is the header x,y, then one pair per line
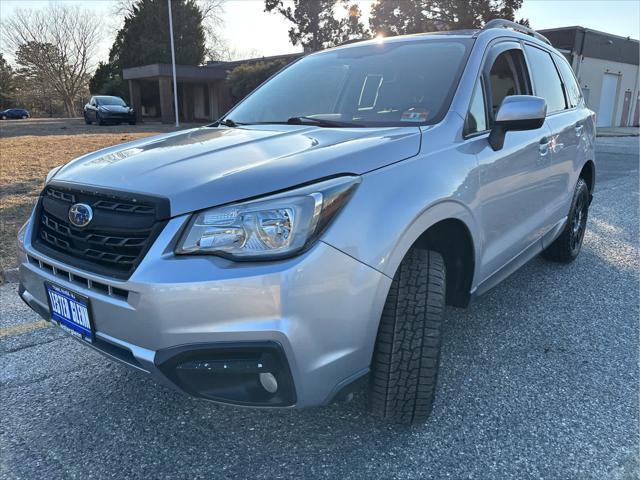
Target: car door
x,y
94,109
566,125
510,208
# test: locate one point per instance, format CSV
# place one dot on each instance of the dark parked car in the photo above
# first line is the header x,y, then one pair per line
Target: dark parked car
x,y
104,109
12,113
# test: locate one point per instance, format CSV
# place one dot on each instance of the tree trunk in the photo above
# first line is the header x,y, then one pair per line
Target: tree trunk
x,y
69,107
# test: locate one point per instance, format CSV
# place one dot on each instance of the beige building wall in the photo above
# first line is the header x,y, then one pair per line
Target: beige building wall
x,y
591,73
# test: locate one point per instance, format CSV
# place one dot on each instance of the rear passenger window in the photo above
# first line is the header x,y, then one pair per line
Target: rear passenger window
x,y
571,88
507,77
477,116
546,81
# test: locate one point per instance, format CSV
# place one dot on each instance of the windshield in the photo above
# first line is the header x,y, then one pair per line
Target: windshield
x,y
111,101
387,84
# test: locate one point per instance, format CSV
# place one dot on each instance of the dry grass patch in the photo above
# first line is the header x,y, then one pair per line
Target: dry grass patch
x,y
24,163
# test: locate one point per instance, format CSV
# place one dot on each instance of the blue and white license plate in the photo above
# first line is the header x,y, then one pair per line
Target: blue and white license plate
x,y
70,311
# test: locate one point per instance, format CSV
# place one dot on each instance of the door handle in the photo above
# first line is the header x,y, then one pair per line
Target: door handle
x,y
544,147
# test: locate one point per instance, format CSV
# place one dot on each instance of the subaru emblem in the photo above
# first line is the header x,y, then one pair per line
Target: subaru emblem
x,y
80,214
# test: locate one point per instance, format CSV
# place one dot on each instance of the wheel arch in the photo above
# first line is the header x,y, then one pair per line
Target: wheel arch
x,y
588,174
449,229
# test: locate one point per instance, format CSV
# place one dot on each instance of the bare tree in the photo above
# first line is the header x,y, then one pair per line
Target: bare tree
x,y
57,44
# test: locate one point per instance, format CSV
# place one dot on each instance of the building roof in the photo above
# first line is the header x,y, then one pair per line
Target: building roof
x,y
183,72
232,64
213,70
595,44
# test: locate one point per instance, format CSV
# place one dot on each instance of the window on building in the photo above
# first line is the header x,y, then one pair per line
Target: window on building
x,y
546,81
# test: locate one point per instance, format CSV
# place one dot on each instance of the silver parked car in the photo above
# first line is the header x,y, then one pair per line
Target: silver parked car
x,y
311,239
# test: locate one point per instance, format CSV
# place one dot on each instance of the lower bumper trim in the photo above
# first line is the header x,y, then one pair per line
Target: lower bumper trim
x,y
231,372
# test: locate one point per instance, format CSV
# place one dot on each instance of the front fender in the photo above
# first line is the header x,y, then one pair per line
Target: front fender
x,y
394,205
444,210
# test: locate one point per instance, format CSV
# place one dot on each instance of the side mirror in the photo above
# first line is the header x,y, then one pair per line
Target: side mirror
x,y
517,112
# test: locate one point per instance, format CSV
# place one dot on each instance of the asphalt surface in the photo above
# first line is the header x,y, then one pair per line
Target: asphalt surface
x,y
539,379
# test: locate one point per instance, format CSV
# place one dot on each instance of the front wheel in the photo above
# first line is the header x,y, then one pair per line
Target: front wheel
x,y
99,119
567,246
4,117
407,350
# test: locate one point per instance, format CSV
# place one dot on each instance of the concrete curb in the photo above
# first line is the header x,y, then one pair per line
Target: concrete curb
x,y
613,134
9,275
617,132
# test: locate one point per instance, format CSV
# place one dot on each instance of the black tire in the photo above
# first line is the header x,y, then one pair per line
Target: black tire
x,y
407,351
24,117
132,123
567,246
86,120
4,117
99,119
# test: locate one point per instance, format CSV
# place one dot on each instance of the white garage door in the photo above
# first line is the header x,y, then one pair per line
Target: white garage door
x,y
607,100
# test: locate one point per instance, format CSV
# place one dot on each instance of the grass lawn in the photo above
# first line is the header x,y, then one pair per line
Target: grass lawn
x,y
24,163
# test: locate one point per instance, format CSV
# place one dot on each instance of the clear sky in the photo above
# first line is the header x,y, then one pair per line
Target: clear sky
x,y
250,30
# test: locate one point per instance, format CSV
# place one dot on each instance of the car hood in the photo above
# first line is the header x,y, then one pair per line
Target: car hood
x,y
114,108
210,166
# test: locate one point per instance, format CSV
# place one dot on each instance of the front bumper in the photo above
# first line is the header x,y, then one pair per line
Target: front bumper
x,y
321,309
117,117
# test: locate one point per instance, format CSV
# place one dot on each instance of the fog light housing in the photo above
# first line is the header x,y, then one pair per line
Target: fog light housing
x,y
250,373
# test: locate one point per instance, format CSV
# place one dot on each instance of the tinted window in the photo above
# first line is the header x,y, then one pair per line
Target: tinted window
x,y
393,83
570,85
546,82
507,77
111,101
477,116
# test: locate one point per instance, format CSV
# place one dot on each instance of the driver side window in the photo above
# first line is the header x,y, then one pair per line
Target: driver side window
x,y
508,76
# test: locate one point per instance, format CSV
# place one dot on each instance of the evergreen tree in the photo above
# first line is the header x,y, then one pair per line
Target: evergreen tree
x,y
144,39
315,25
400,17
7,83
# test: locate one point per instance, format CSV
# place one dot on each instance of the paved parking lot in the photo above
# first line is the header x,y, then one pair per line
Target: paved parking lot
x,y
539,380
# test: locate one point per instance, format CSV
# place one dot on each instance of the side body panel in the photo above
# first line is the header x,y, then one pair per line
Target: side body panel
x,y
394,205
513,196
507,199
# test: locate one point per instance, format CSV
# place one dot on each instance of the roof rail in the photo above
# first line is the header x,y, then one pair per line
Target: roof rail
x,y
502,23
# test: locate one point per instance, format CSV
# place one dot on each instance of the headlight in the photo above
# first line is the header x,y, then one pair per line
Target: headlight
x,y
274,227
51,173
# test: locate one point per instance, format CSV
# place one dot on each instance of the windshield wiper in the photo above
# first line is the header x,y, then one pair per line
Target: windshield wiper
x,y
321,122
227,122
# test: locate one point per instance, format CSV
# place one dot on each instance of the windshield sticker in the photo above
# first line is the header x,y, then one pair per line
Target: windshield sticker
x,y
414,116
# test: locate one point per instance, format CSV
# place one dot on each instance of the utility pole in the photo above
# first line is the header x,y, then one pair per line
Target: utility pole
x,y
173,63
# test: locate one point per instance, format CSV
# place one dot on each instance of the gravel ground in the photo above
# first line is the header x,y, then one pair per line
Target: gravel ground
x,y
539,379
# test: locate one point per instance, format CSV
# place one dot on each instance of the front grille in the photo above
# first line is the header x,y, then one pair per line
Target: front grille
x,y
85,282
123,228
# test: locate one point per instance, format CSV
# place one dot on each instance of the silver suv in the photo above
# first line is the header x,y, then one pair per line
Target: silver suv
x,y
311,239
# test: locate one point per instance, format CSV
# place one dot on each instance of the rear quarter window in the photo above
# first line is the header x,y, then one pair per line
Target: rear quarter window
x,y
571,87
546,81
